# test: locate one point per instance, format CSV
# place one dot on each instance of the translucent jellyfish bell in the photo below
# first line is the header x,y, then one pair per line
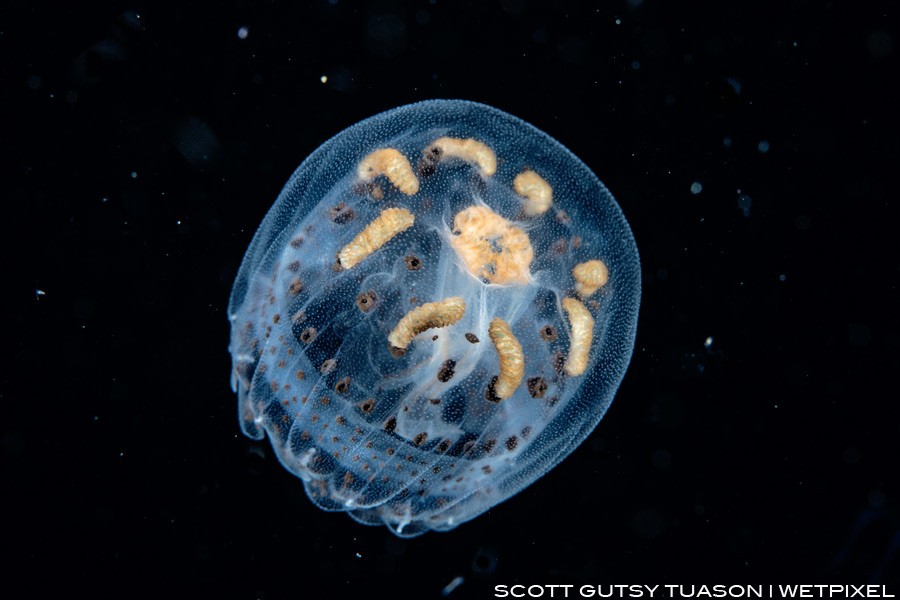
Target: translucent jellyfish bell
x,y
437,310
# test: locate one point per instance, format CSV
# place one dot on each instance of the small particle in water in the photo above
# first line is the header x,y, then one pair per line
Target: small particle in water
x,y
485,561
243,32
708,341
134,174
324,78
358,555
727,141
39,293
696,188
744,203
448,589
763,146
782,277
635,65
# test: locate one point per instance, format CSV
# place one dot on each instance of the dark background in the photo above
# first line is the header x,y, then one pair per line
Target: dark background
x,y
144,143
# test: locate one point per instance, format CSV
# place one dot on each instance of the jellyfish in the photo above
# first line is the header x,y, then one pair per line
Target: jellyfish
x,y
438,309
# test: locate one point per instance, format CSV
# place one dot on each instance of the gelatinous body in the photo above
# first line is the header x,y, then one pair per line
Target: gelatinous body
x,y
410,326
